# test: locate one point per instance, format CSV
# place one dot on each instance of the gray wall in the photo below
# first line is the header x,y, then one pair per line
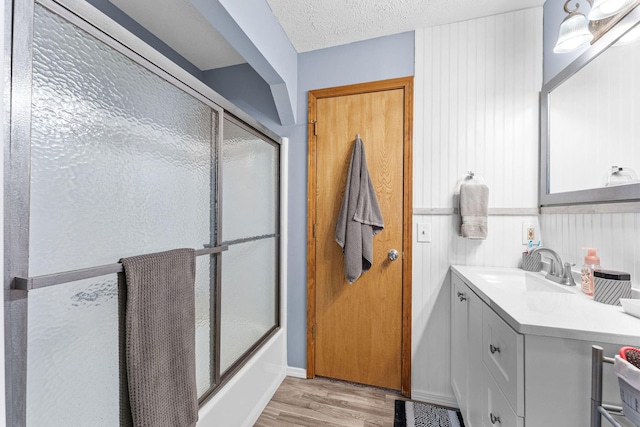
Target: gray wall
x,y
243,86
254,32
109,9
370,60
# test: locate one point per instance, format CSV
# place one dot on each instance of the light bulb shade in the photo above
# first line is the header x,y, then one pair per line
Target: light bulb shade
x,y
574,33
602,9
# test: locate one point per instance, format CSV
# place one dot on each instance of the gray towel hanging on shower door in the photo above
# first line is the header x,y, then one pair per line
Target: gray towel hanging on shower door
x,y
157,340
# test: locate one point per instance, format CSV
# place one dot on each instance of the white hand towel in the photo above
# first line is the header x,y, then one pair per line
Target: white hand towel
x,y
474,203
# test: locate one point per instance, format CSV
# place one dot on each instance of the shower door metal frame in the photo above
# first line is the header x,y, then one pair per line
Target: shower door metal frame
x,y
223,378
18,50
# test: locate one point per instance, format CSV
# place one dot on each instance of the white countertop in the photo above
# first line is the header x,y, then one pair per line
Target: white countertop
x,y
567,313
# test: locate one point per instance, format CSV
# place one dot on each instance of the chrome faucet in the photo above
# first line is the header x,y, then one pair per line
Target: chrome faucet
x,y
558,272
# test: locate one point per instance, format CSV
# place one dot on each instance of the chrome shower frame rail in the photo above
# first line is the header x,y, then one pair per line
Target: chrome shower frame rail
x,y
31,283
18,36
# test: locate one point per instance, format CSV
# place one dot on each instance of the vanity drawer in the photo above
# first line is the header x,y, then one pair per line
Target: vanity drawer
x,y
496,410
503,356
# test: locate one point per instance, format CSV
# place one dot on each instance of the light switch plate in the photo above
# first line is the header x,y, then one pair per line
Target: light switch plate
x,y
424,232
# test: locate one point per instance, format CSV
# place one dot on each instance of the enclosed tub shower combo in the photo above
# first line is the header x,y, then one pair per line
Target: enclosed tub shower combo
x,y
117,152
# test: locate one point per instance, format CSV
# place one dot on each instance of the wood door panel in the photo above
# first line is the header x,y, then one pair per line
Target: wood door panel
x,y
359,326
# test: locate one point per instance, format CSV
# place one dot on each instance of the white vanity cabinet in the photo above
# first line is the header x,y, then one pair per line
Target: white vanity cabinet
x,y
486,362
523,357
466,351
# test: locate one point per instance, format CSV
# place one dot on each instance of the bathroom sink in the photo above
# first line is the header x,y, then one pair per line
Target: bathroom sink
x,y
520,281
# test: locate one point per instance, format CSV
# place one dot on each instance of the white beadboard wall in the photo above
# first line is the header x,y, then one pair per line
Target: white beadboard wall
x,y
476,108
616,235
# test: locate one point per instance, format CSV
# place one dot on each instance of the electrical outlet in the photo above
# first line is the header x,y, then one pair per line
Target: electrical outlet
x,y
529,232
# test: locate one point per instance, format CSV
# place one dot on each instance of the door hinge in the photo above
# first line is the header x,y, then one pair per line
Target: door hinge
x,y
313,331
315,127
314,231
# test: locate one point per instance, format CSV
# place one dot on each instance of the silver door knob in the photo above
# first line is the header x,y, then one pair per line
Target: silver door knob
x,y
393,255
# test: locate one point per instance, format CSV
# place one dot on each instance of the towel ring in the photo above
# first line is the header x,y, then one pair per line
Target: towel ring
x,y
470,176
622,175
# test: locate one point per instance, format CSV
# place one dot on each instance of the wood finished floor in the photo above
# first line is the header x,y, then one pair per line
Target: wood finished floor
x,y
328,403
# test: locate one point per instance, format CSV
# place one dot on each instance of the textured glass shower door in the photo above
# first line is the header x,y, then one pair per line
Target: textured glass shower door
x,y
250,167
122,163
115,157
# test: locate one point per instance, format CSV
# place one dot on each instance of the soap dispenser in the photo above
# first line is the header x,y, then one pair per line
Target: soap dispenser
x,y
591,262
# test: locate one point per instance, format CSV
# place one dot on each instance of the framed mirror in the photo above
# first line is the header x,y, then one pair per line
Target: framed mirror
x,y
590,133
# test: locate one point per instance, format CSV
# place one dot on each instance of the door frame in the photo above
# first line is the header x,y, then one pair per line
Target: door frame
x,y
406,84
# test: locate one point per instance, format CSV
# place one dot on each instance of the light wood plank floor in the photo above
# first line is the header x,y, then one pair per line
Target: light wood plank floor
x,y
328,403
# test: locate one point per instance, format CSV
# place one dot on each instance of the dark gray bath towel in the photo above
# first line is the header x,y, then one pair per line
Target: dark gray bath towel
x,y
157,340
360,218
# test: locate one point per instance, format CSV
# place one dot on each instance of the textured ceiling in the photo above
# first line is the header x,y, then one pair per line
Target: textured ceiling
x,y
309,25
178,24
318,24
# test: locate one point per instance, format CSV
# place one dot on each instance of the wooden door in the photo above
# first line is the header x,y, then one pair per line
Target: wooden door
x,y
360,332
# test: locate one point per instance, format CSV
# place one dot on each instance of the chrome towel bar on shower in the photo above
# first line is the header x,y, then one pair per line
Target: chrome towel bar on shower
x,y
30,283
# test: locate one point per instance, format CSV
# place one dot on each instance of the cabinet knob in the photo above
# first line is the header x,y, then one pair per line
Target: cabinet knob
x,y
462,296
494,419
494,349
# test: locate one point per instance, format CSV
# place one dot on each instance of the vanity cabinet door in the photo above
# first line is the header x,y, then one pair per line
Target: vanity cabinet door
x,y
459,342
496,410
503,355
466,351
475,366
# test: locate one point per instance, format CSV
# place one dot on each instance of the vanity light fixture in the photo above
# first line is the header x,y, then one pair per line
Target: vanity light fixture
x,y
575,31
601,9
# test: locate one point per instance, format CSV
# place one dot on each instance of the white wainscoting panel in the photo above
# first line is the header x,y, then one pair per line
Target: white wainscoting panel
x,y
616,235
476,108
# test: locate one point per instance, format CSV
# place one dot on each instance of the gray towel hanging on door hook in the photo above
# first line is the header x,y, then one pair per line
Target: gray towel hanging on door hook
x,y
360,218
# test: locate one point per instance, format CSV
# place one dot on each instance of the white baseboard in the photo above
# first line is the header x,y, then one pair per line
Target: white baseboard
x,y
435,398
296,372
